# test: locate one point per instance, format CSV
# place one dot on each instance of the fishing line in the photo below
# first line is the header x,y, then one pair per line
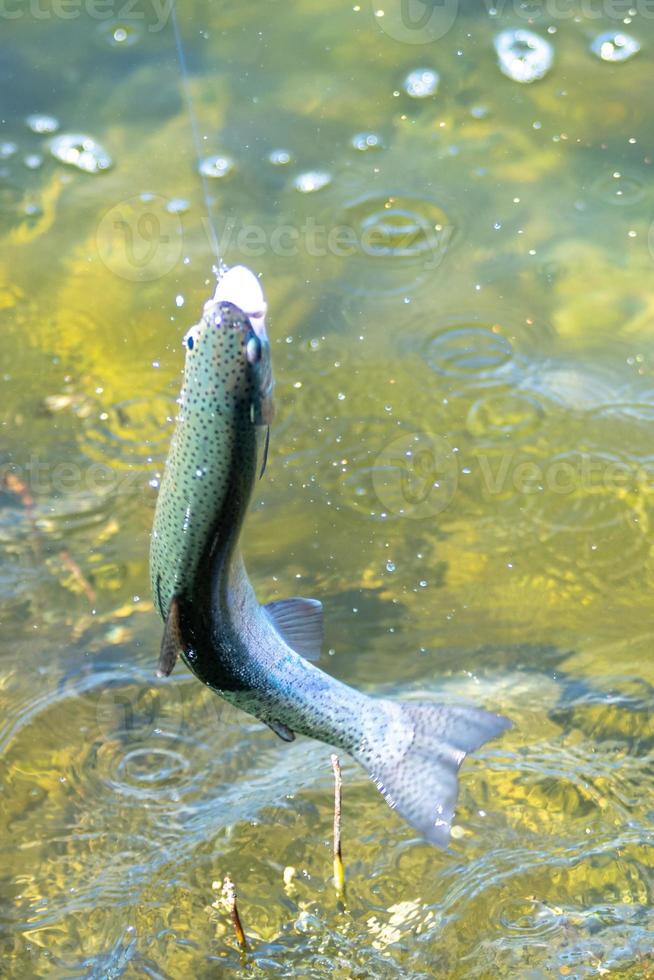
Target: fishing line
x,y
186,89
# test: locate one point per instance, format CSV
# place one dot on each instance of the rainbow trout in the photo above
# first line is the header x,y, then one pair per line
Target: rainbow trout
x,y
257,657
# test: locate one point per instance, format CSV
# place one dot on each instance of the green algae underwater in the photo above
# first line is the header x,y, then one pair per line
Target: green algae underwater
x,y
462,318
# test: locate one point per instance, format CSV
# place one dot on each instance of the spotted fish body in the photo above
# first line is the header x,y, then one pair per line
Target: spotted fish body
x,y
259,657
219,387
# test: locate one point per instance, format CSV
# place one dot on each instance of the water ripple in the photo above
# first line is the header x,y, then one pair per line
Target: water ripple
x,y
468,350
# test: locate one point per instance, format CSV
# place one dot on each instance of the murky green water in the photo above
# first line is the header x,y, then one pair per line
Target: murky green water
x,y
475,288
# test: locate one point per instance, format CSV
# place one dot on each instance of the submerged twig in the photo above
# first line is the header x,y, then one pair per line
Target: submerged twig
x,y
71,566
229,894
339,873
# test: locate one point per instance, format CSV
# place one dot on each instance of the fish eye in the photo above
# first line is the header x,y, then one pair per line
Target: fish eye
x,y
253,349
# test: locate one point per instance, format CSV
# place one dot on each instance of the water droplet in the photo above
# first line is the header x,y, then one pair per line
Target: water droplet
x,y
522,55
421,83
618,188
80,151
615,46
120,34
217,166
366,141
280,158
41,124
311,181
390,566
178,205
33,161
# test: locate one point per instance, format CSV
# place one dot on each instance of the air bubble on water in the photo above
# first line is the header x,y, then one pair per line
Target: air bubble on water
x,y
280,158
83,152
421,83
522,55
178,205
615,46
179,300
479,111
120,34
7,150
42,124
366,141
311,181
33,161
390,566
423,583
217,166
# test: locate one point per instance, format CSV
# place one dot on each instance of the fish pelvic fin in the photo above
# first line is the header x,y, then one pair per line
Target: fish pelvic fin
x,y
171,641
279,728
413,752
300,624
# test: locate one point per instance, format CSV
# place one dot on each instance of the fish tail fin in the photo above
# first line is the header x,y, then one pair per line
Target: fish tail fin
x,y
413,752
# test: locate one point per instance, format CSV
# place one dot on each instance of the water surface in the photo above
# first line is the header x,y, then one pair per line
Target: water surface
x,y
461,469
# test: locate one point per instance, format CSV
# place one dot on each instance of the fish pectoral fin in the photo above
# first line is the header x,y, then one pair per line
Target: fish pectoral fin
x,y
299,623
266,446
282,730
171,641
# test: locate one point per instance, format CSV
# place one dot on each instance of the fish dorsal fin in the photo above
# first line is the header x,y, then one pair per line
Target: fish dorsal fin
x,y
299,622
279,728
171,641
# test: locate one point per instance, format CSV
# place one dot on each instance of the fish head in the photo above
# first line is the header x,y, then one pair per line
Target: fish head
x,y
228,352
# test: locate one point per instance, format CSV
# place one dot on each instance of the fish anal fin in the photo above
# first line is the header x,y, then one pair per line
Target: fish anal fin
x,y
299,623
282,730
171,641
